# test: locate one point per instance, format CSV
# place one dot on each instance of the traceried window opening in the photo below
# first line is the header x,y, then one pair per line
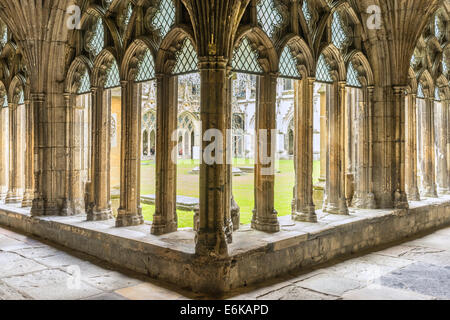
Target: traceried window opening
x,y
146,67
323,72
437,27
85,84
164,17
437,97
21,97
245,59
352,77
444,67
128,13
338,35
5,101
186,59
97,41
288,64
306,12
113,77
268,16
420,93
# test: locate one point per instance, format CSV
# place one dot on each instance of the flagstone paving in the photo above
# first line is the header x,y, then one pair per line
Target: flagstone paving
x,y
31,268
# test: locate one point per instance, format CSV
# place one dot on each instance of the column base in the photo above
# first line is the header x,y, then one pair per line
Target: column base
x,y
339,208
13,198
159,229
42,207
211,244
429,192
443,191
99,215
2,197
305,216
266,224
27,201
129,220
400,200
413,194
364,200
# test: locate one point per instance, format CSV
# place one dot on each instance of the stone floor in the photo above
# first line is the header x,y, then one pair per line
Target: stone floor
x,y
419,269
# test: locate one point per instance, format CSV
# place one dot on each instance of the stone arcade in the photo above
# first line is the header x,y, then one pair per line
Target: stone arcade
x,y
82,108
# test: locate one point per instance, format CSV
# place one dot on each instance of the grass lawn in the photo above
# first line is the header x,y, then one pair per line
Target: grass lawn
x,y
188,185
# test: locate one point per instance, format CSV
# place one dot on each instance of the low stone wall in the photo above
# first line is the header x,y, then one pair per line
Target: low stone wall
x,y
254,256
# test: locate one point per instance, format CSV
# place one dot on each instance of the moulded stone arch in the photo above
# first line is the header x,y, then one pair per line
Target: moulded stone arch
x,y
426,80
362,66
76,70
18,84
166,55
260,42
335,61
302,53
3,94
133,56
442,84
101,65
412,81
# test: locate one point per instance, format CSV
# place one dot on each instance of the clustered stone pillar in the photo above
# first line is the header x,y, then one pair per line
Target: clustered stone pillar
x,y
400,198
364,197
334,199
215,203
412,189
29,157
304,209
265,217
37,104
15,192
442,172
4,155
130,210
99,203
428,155
165,218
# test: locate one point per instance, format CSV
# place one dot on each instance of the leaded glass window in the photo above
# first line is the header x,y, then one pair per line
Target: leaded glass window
x,y
245,59
186,59
146,67
420,93
444,67
164,17
97,38
5,101
323,72
306,11
338,35
352,77
85,84
112,77
437,97
288,64
268,16
437,27
128,13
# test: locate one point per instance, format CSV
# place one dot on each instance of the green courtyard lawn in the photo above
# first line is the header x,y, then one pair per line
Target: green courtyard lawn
x,y
188,185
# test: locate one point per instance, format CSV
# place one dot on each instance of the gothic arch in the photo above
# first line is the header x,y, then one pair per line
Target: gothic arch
x,y
335,61
412,82
76,70
302,53
259,41
362,66
426,80
166,55
18,84
102,63
133,56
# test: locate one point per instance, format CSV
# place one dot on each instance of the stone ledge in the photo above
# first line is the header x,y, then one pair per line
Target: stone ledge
x,y
254,256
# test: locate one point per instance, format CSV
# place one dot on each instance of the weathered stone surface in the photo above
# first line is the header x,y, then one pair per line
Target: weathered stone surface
x,y
329,284
295,293
426,279
12,264
8,293
50,285
377,292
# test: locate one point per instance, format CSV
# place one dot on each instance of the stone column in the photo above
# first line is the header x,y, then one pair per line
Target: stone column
x,y
441,147
304,209
265,217
15,194
100,193
428,155
400,198
29,157
165,218
364,197
211,238
4,154
335,201
324,101
130,210
412,189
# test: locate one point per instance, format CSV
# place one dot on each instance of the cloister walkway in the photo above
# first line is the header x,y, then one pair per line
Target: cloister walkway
x,y
418,269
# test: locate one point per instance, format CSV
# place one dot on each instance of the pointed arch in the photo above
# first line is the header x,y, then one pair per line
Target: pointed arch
x,y
140,49
76,71
301,52
104,61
